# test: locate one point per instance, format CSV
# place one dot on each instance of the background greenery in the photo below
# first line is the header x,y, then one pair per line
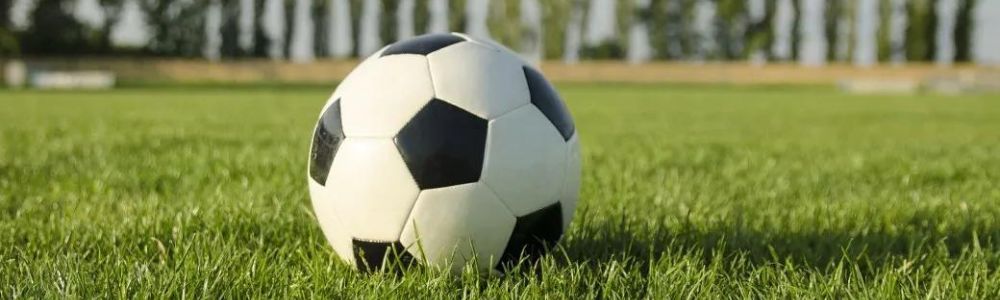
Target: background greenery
x,y
688,192
182,33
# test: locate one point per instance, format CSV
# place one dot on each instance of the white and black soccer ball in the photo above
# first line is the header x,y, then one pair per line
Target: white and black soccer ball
x,y
442,149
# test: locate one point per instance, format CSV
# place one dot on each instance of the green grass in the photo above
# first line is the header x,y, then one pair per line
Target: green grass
x,y
688,192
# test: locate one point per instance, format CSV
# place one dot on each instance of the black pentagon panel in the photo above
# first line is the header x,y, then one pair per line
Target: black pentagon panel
x,y
372,256
327,138
533,235
544,96
443,145
423,45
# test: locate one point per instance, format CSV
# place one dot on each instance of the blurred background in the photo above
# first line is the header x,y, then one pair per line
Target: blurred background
x,y
948,46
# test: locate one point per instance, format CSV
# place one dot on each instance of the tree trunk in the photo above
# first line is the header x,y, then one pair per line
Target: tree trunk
x,y
274,28
438,10
601,22
897,31
532,37
944,38
784,18
574,33
986,35
705,14
303,32
404,19
812,33
639,49
369,39
866,33
476,13
213,31
340,43
247,22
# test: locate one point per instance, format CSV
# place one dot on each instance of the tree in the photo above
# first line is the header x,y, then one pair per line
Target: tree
x,y
178,27
920,32
54,31
388,21
5,14
963,31
230,46
112,14
555,16
733,24
8,42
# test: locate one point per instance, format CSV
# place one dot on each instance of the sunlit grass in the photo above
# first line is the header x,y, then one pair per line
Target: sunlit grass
x,y
688,191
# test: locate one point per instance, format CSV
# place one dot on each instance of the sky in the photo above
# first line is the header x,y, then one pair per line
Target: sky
x,y
89,12
19,13
132,30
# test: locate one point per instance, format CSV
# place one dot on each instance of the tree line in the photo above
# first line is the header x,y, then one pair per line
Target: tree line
x,y
555,29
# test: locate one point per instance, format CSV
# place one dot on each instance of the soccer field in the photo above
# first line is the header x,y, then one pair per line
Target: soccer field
x,y
688,192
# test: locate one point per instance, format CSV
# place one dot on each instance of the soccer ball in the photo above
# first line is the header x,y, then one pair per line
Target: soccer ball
x,y
447,151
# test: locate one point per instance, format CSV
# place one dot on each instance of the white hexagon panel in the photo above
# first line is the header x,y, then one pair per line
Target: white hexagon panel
x,y
384,94
346,83
525,160
453,225
371,188
478,79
